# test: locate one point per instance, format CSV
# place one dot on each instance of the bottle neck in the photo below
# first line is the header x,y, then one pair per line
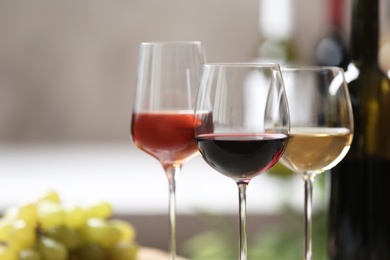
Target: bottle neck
x,y
335,13
365,32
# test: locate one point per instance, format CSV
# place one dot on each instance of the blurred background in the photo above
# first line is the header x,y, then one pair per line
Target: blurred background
x,y
67,78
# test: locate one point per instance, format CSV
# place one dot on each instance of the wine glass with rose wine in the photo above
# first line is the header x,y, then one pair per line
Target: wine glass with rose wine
x,y
163,113
321,128
241,124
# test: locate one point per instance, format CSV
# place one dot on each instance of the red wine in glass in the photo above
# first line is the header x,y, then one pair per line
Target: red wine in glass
x,y
246,131
241,156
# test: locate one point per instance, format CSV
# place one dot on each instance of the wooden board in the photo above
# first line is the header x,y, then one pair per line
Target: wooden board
x,y
147,253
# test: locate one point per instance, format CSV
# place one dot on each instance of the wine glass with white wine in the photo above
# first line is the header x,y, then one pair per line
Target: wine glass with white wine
x,y
321,128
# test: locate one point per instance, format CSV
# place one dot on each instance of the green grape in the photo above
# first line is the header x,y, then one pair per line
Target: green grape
x,y
91,251
124,250
29,254
51,196
101,209
7,253
28,213
51,249
75,217
70,238
11,213
99,231
127,231
50,215
5,227
21,236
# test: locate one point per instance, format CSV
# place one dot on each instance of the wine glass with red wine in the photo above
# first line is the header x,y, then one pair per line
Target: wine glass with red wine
x,y
163,112
321,128
241,124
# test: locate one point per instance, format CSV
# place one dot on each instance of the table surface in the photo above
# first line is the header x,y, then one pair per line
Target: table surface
x,y
132,181
147,253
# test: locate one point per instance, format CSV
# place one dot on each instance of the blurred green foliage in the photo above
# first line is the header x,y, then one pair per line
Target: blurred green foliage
x,y
276,241
279,241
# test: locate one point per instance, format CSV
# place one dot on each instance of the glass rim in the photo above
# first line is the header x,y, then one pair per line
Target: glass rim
x,y
309,68
170,42
242,64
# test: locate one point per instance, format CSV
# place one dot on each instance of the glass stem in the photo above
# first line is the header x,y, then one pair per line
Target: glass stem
x,y
308,182
242,211
172,173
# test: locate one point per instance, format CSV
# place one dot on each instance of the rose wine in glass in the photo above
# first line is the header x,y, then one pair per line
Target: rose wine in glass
x,y
162,123
241,124
321,128
166,135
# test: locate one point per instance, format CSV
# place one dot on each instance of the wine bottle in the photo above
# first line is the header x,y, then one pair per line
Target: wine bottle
x,y
384,45
278,44
359,205
385,55
276,26
331,49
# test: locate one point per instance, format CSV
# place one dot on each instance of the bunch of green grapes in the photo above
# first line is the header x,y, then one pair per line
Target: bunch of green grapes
x,y
48,230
